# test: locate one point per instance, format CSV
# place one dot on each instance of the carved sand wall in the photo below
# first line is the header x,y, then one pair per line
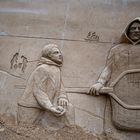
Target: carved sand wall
x,y
84,31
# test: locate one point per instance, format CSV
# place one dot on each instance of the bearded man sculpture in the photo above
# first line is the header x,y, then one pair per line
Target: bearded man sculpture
x,y
122,59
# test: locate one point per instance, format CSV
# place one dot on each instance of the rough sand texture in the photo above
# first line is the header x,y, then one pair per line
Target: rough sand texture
x,y
33,132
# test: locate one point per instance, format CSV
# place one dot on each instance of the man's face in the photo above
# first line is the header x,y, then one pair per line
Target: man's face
x,y
56,56
134,31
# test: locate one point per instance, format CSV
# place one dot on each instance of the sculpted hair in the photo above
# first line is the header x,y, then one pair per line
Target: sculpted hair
x,y
47,50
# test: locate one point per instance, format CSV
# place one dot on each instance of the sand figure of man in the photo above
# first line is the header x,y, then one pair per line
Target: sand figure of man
x,y
122,57
44,100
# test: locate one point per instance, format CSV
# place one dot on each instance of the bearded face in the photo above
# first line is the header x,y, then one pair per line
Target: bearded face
x,y
134,31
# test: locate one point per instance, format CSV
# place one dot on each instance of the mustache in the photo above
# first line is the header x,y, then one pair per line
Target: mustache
x,y
136,33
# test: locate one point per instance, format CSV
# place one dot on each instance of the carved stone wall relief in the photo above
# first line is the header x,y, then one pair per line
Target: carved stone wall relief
x,y
84,32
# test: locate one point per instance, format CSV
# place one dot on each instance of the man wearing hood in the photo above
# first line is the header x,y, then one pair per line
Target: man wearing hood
x,y
44,100
122,57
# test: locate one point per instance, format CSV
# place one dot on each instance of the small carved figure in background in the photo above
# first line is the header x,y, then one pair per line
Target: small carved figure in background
x,y
92,37
15,64
14,61
44,100
24,63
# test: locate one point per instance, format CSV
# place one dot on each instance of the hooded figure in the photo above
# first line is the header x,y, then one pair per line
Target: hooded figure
x,y
122,57
44,100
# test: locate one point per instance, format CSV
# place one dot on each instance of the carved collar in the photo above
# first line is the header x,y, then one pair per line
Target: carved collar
x,y
47,61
